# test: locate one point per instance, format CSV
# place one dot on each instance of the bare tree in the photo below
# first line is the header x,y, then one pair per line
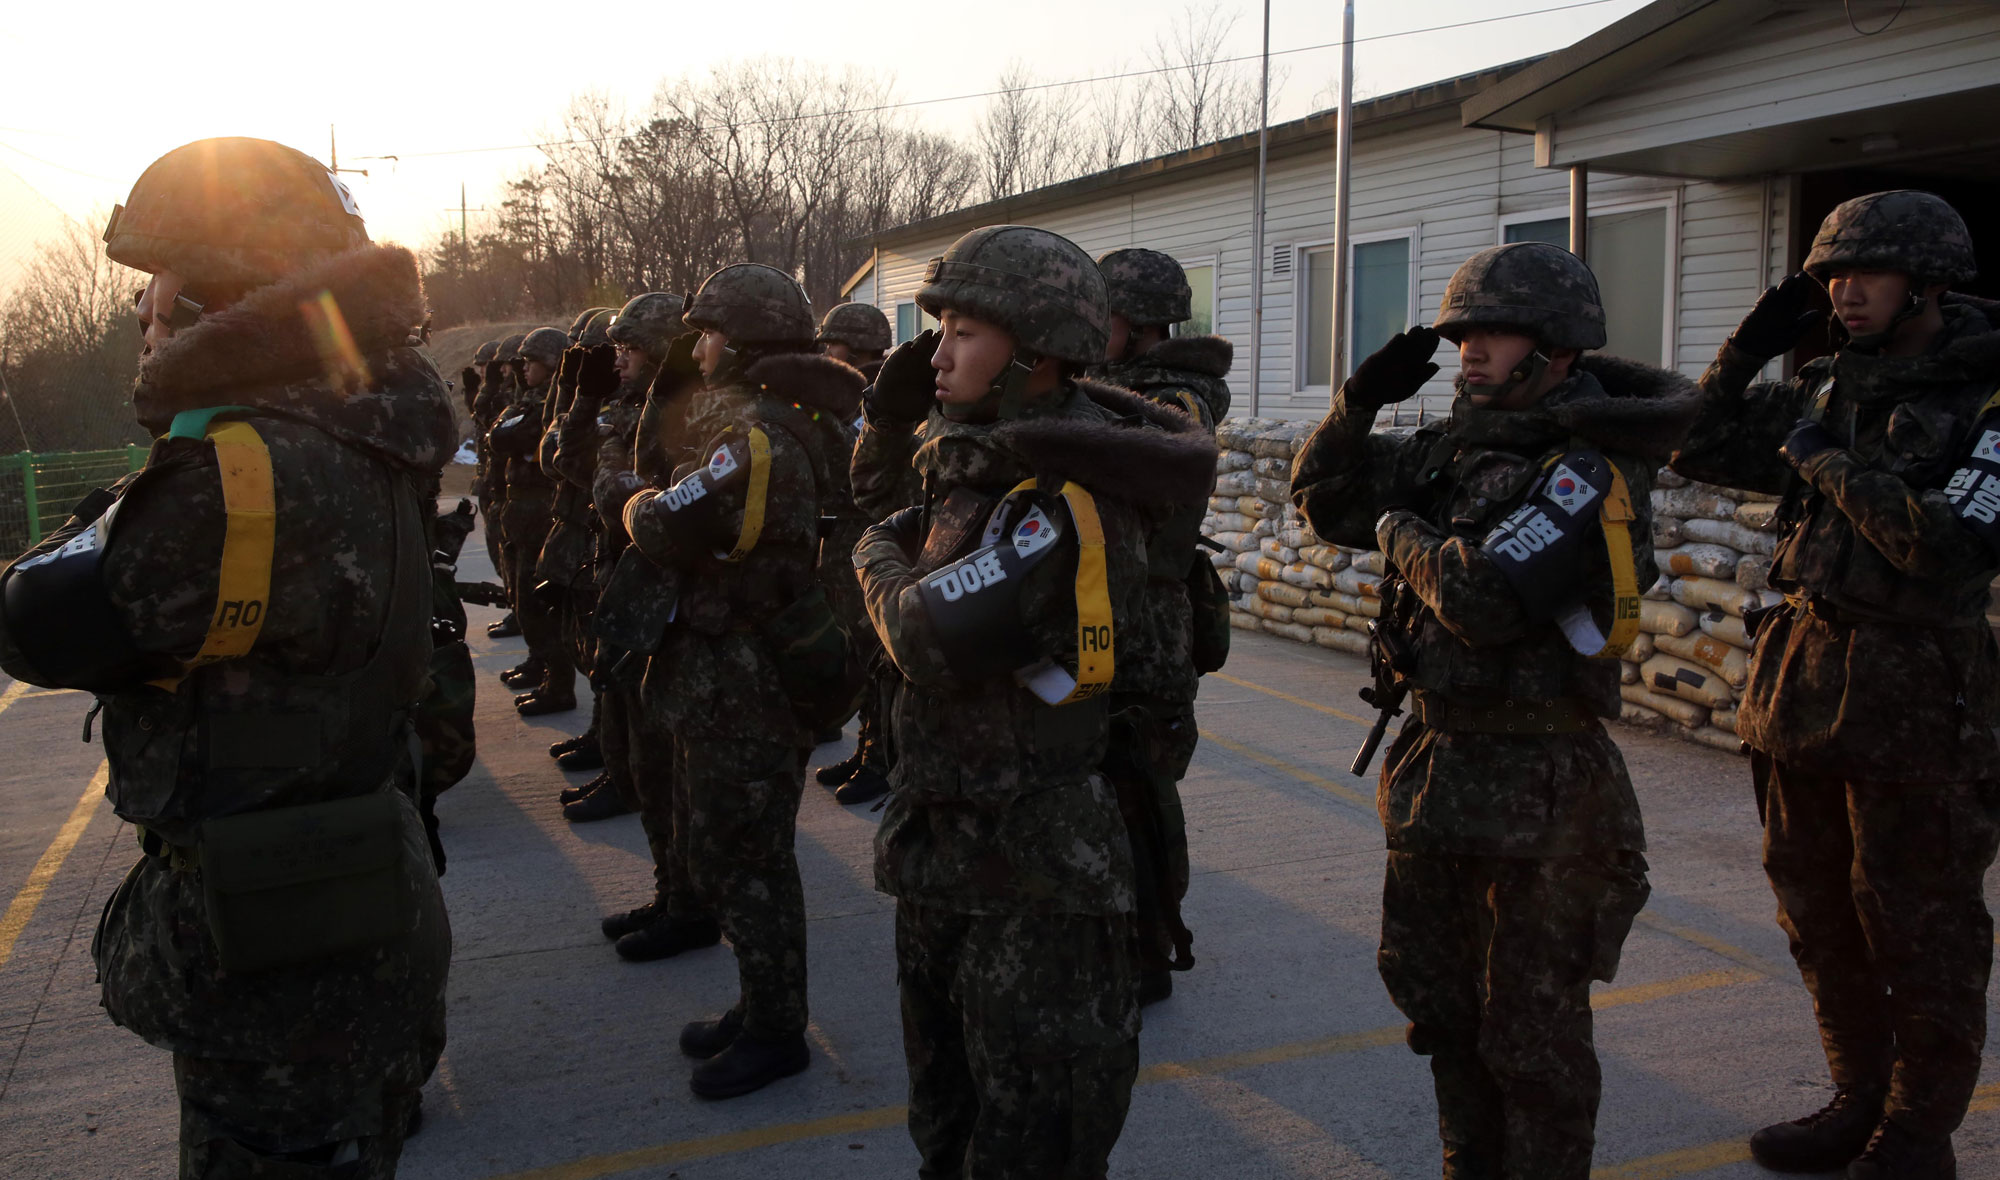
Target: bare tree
x,y
1027,138
69,347
1196,98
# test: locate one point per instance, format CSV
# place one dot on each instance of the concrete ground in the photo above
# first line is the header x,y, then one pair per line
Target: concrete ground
x,y
1278,1056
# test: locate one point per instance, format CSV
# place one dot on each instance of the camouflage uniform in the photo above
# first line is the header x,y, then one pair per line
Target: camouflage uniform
x,y
564,564
1874,690
1153,731
1515,864
739,748
529,515
1012,871
496,394
283,1069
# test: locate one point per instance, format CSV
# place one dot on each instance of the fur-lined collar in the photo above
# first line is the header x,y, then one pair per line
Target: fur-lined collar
x,y
1622,406
1114,442
262,353
1966,353
811,379
1197,364
1211,356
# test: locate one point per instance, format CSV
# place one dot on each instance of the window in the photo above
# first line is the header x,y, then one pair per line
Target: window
x,y
1202,279
1378,304
1628,253
910,320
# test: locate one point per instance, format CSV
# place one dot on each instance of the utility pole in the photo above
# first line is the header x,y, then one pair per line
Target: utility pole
x,y
1257,218
333,156
1343,198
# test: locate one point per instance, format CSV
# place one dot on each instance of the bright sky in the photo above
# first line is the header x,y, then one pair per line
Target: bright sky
x,y
85,106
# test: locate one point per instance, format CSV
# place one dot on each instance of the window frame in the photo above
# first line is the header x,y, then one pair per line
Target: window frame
x,y
1669,201
1302,298
1214,264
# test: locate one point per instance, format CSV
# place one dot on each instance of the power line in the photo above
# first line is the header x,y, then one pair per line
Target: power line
x,y
59,167
1090,81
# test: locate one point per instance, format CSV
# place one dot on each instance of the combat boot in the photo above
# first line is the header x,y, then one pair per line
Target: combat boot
x,y
602,803
585,755
618,925
1896,1153
558,749
866,785
541,702
750,1063
572,794
1826,1139
506,628
665,937
835,773
528,672
703,1039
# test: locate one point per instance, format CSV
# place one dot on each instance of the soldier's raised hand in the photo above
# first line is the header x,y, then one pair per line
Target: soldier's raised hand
x,y
597,372
1396,370
1781,316
906,386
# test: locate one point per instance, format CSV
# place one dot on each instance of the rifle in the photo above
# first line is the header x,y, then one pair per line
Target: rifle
x,y
1392,661
482,593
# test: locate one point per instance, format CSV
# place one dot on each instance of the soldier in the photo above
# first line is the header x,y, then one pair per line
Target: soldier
x,y
500,388
1515,842
1153,732
1871,703
255,625
738,535
528,517
1005,601
856,334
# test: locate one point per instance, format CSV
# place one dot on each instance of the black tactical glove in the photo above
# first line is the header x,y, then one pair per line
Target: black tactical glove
x,y
907,524
1783,314
597,372
1807,439
566,369
468,380
1396,370
680,371
492,375
905,387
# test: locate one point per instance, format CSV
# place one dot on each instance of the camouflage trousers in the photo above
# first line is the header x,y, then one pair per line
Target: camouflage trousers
x,y
1879,887
250,1120
1022,1036
639,756
1151,744
540,614
742,808
491,508
1491,958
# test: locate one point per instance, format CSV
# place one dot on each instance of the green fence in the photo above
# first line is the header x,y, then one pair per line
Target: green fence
x,y
37,491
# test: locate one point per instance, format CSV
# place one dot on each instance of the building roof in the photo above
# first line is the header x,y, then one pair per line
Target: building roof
x,y
1375,116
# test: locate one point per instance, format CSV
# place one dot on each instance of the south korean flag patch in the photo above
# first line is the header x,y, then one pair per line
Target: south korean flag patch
x,y
1974,490
1569,491
722,463
1034,532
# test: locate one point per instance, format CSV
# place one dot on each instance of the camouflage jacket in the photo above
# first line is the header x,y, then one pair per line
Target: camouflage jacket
x,y
516,440
1891,673
1188,375
1477,641
997,805
340,659
489,479
716,667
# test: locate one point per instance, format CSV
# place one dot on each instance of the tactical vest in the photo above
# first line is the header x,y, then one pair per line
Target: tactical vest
x,y
1921,441
1478,488
246,734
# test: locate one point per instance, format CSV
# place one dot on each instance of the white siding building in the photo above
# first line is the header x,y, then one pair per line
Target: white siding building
x,y
1713,134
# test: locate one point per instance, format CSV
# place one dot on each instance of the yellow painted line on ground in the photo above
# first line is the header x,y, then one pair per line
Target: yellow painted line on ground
x,y
1305,776
48,692
665,1154
23,906
1709,1156
15,692
1714,945
1303,703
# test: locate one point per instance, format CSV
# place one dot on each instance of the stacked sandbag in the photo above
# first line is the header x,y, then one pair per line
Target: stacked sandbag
x,y
1683,674
1714,549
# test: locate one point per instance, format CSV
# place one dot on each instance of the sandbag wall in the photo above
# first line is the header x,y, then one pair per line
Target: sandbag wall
x,y
1683,673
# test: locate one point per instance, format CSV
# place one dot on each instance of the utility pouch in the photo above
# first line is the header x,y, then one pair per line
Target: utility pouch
x,y
1209,602
637,603
298,884
817,667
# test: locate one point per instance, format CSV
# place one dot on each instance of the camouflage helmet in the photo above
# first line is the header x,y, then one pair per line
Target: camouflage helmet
x,y
486,352
648,323
1039,286
594,328
1904,230
752,304
1535,288
860,326
240,212
582,321
1147,287
510,349
545,345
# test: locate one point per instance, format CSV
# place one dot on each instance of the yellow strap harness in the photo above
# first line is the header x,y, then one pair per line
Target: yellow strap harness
x,y
1095,656
755,498
243,583
1617,517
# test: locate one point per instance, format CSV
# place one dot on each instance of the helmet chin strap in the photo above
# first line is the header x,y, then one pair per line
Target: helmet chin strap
x,y
1005,398
1915,303
1528,372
